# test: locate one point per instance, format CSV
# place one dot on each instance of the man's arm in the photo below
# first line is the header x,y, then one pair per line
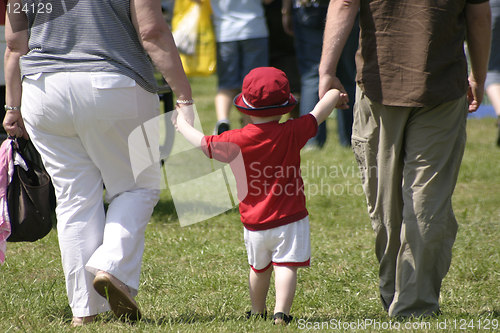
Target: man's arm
x,y
339,22
157,40
16,36
478,20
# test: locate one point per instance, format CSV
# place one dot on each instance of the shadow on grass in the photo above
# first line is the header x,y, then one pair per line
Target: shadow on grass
x,y
197,318
345,318
165,211
383,316
60,313
191,318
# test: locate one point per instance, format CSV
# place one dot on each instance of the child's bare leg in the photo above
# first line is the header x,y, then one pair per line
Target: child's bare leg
x,y
259,286
493,92
224,103
286,282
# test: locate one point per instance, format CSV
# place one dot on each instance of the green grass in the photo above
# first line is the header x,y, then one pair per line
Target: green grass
x,y
194,279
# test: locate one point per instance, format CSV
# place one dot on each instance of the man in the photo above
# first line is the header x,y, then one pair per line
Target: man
x,y
409,129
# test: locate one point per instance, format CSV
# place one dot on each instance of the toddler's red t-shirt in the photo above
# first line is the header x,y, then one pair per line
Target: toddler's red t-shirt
x,y
271,155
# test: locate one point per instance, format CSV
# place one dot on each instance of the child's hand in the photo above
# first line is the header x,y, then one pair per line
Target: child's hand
x,y
338,99
332,99
183,120
173,119
343,102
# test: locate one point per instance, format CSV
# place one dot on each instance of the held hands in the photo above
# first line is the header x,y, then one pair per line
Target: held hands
x,y
183,112
343,102
334,98
329,82
330,99
183,120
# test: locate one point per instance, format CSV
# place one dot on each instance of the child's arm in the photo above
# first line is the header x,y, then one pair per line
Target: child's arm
x,y
326,104
188,131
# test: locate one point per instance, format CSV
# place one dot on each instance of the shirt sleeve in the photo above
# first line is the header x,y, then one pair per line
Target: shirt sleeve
x,y
220,147
205,145
304,128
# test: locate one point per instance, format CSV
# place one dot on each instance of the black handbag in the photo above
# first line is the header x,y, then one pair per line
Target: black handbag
x,y
30,196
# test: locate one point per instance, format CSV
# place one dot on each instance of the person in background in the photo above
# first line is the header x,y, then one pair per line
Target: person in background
x,y
242,44
305,20
412,101
79,81
493,77
273,212
3,46
282,50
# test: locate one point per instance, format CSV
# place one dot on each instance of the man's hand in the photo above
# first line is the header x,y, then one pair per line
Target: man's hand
x,y
475,94
478,20
327,82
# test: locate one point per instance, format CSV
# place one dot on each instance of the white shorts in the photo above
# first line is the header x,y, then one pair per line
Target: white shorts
x,y
288,245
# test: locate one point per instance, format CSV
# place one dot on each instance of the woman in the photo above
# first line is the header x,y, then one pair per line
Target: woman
x,y
80,71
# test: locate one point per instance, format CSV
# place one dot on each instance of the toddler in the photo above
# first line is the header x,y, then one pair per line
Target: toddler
x,y
273,212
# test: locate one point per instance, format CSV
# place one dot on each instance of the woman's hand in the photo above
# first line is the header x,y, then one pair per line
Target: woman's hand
x,y
14,125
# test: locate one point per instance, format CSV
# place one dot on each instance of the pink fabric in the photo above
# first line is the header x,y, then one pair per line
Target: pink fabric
x,y
6,171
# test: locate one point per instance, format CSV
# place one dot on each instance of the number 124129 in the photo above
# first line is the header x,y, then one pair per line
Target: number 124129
x,y
34,8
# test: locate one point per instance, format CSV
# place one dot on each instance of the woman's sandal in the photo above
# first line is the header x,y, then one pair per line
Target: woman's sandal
x,y
118,295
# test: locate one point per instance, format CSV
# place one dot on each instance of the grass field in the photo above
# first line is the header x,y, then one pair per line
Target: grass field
x,y
194,278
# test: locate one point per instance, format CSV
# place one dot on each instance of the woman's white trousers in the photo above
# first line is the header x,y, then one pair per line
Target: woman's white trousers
x,y
80,123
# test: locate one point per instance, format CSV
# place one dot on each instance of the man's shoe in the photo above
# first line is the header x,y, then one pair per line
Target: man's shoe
x,y
221,127
118,295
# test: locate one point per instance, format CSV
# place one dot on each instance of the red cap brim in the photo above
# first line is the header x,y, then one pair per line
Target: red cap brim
x,y
267,111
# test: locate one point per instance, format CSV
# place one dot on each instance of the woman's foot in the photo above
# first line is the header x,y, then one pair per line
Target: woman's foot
x,y
80,321
118,295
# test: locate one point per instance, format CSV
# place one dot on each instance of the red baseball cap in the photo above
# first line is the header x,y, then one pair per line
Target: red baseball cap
x,y
265,92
